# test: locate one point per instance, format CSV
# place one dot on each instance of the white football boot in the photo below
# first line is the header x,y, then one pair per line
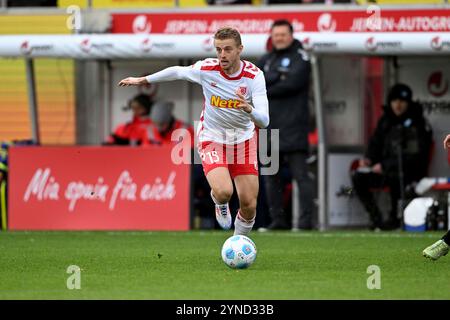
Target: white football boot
x,y
223,215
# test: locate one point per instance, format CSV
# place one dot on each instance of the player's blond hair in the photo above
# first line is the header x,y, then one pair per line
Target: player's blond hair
x,y
228,33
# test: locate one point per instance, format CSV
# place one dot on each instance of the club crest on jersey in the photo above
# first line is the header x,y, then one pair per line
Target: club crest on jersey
x,y
217,101
243,90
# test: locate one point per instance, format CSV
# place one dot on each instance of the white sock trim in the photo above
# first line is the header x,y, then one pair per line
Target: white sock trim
x,y
240,217
241,226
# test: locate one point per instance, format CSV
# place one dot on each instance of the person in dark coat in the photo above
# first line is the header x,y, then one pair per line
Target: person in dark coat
x,y
398,154
287,72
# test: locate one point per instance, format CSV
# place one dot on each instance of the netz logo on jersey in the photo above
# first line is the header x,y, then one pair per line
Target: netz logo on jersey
x,y
217,101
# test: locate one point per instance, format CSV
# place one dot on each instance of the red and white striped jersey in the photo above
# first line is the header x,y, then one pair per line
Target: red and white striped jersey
x,y
220,120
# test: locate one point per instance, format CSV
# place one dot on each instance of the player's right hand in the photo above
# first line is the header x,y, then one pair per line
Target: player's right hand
x,y
243,104
132,81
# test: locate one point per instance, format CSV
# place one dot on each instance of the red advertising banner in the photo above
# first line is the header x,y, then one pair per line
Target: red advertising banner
x,y
384,20
97,188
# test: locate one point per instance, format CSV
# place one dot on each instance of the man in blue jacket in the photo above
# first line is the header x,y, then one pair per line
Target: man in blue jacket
x,y
287,71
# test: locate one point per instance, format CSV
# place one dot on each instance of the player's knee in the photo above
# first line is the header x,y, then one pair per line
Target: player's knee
x,y
248,205
223,194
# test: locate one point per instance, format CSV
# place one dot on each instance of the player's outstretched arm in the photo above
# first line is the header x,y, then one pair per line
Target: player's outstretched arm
x,y
190,73
132,81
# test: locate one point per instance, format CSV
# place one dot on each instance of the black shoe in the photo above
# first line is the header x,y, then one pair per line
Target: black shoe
x,y
376,223
278,226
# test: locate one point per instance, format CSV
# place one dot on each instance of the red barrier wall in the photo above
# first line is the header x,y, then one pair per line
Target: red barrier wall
x,y
97,188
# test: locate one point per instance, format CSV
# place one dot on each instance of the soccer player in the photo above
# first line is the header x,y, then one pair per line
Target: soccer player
x,y
226,133
441,247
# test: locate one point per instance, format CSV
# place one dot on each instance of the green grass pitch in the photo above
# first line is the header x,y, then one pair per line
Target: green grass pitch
x,y
187,265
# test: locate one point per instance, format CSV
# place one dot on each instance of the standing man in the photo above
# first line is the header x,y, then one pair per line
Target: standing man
x,y
441,247
226,133
287,72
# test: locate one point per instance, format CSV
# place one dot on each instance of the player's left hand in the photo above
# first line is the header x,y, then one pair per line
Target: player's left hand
x,y
243,104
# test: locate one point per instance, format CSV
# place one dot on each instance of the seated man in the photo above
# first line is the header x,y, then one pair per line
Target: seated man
x,y
398,154
164,124
134,132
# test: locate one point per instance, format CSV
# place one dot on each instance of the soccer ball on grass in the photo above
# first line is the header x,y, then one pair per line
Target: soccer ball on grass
x,y
239,252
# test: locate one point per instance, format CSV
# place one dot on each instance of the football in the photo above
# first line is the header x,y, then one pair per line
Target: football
x,y
239,252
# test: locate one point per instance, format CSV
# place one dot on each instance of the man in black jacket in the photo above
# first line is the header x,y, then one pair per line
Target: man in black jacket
x,y
398,154
287,72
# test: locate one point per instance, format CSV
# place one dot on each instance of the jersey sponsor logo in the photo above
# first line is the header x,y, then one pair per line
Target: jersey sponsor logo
x,y
217,101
